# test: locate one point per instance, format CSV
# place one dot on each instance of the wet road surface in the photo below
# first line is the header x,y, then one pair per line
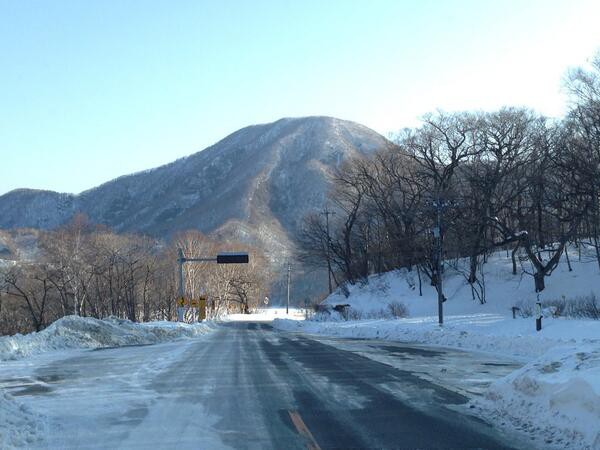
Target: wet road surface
x,y
248,386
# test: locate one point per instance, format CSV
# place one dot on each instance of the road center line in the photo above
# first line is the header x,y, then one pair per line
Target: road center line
x,y
303,430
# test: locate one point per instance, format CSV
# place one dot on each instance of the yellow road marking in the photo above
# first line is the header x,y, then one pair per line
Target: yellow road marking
x,y
303,430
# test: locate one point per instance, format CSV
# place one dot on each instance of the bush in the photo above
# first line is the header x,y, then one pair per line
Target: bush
x,y
398,309
327,313
586,307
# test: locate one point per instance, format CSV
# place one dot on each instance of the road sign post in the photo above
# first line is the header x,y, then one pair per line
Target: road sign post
x,y
202,308
180,309
194,306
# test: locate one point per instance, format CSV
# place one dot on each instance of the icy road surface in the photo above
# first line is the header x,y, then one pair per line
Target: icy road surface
x,y
248,386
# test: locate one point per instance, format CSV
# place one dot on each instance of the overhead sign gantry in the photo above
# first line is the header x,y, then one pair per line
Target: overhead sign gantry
x,y
199,304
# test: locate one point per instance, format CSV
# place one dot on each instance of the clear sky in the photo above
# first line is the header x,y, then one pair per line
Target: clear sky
x,y
94,89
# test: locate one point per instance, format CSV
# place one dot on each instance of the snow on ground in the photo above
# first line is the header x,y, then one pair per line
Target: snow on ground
x,y
554,398
267,315
86,332
22,428
19,426
491,333
503,289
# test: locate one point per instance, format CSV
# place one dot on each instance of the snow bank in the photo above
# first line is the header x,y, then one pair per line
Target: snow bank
x,y
556,397
19,426
493,333
86,332
266,315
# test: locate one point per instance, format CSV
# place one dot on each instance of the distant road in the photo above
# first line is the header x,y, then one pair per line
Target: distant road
x,y
247,386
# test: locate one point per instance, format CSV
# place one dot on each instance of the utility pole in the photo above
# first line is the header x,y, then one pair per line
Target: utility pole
x,y
439,206
180,262
327,213
287,307
180,300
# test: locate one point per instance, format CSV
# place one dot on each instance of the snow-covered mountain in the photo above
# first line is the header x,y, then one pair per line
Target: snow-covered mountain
x,y
254,185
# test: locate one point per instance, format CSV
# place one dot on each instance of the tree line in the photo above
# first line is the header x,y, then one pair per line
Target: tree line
x,y
463,185
88,270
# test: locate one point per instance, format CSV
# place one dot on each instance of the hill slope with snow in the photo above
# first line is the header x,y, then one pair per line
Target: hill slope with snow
x,y
260,176
503,290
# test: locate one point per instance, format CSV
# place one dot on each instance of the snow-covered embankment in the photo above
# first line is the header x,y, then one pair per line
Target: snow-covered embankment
x,y
73,332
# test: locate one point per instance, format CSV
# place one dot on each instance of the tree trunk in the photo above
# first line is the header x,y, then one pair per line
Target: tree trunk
x,y
568,260
597,248
473,269
538,277
514,259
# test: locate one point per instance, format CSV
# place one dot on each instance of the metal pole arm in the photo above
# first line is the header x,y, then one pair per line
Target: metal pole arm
x,y
197,259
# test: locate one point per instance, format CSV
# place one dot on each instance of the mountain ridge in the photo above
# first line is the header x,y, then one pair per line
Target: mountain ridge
x,y
254,185
41,208
151,169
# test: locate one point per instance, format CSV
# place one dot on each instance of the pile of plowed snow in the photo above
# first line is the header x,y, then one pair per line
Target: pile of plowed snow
x,y
556,396
85,332
19,426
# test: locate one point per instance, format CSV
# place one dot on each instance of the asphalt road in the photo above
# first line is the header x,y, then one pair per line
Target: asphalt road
x,y
247,386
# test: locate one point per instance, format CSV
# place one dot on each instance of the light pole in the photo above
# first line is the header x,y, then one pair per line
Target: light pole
x,y
327,213
287,307
181,299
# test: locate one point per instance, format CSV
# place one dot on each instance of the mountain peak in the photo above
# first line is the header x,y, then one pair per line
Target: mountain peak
x,y
271,173
255,185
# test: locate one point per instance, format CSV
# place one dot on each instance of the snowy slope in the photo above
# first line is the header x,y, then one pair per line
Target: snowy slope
x,y
274,171
503,289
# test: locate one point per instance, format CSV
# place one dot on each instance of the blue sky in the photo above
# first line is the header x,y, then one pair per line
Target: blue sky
x,y
91,90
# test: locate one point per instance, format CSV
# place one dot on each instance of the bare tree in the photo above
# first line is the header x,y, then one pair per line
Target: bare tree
x,y
31,285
